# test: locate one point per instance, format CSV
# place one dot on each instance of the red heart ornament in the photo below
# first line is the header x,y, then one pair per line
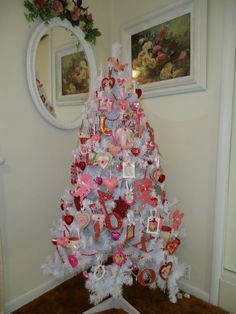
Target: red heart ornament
x,y
173,245
138,91
108,82
135,151
68,219
110,183
82,165
165,270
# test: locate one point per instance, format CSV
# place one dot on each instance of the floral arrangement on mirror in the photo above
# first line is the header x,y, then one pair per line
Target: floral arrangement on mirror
x,y
71,10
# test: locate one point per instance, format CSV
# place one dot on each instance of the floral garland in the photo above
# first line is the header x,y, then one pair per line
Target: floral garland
x,y
70,10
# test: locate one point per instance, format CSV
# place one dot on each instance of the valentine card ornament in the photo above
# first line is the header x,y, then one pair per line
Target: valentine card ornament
x,y
115,220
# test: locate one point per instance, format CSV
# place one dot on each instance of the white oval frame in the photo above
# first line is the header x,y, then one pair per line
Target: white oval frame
x,y
40,30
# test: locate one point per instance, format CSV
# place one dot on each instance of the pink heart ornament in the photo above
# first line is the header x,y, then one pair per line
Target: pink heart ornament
x,y
73,261
83,219
115,235
110,183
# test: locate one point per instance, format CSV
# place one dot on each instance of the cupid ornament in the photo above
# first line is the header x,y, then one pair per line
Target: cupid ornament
x,y
84,187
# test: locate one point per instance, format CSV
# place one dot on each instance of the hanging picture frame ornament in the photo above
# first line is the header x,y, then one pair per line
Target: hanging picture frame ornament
x,y
130,228
153,224
128,169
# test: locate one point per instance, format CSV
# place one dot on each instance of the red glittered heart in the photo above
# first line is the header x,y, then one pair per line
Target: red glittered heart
x,y
68,219
82,165
173,245
108,81
165,270
139,92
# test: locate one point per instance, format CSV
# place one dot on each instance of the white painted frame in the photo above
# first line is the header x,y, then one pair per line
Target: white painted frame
x,y
228,62
41,30
58,98
196,81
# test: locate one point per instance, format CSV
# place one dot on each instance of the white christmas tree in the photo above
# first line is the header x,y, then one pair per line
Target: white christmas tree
x,y
116,224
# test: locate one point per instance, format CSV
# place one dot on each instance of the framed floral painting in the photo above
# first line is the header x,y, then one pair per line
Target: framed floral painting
x,y
167,49
71,76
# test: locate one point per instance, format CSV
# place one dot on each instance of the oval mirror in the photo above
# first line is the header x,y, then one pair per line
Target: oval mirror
x,y
61,72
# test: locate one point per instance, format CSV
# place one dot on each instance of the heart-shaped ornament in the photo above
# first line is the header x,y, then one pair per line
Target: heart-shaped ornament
x,y
73,260
115,235
82,165
83,219
172,246
108,82
110,183
99,180
104,159
68,219
138,91
165,270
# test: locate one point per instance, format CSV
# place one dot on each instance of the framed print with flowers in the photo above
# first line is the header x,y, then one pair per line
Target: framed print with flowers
x,y
167,49
71,76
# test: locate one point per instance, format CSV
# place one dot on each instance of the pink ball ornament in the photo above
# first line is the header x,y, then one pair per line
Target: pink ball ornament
x,y
119,167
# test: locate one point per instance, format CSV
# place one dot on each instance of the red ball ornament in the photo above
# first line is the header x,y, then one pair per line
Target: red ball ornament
x,y
85,275
119,167
162,178
135,151
138,91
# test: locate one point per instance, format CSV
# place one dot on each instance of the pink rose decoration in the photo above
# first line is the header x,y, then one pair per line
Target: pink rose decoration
x,y
89,16
183,55
161,57
40,3
75,13
57,7
162,33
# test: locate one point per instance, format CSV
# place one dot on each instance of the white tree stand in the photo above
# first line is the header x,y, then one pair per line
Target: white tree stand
x,y
113,303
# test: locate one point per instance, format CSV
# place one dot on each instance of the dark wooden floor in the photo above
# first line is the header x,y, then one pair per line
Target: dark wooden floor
x,y
72,298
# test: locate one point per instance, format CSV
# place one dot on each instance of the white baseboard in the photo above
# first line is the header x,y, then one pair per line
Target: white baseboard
x,y
200,294
31,295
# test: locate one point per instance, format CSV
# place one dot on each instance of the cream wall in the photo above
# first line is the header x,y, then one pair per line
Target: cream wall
x,y
38,155
186,131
